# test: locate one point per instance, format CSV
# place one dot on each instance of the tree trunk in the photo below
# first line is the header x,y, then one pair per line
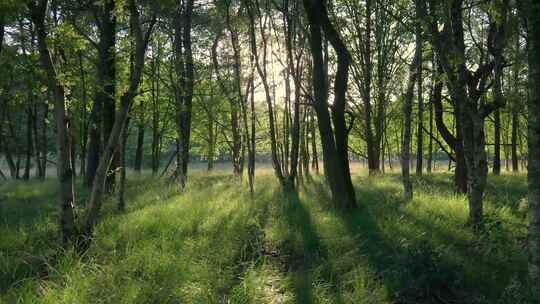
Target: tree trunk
x,y
334,140
514,140
313,142
497,142
531,12
407,115
84,123
29,144
103,109
64,171
373,161
140,149
261,70
4,142
420,127
121,204
430,145
155,84
184,90
236,144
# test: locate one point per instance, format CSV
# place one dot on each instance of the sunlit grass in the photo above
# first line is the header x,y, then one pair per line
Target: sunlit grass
x,y
215,243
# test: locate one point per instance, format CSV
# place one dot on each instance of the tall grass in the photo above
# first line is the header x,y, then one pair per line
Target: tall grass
x,y
216,243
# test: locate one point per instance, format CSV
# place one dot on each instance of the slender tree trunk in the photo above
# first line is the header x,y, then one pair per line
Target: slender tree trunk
x,y
140,148
84,124
497,142
261,70
155,84
407,108
407,115
121,204
5,143
234,106
29,144
420,127
94,142
211,154
514,140
315,154
430,145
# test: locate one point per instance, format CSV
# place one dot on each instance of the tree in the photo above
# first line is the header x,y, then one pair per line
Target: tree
x,y
466,88
333,139
66,214
183,63
531,14
103,108
414,74
141,39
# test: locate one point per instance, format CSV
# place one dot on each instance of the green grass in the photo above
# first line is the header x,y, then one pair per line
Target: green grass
x,y
214,243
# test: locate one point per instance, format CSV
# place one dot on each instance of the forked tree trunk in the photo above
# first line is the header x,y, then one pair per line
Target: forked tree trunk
x,y
334,140
96,195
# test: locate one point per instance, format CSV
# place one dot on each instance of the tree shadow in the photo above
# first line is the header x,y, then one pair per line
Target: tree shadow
x,y
508,191
412,271
312,253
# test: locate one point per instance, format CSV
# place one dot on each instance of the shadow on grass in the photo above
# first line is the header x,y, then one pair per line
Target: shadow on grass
x,y
312,254
412,272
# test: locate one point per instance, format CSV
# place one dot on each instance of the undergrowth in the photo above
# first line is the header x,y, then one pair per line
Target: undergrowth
x,y
216,243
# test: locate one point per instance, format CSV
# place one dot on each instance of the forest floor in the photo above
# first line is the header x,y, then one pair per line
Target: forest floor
x,y
215,243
